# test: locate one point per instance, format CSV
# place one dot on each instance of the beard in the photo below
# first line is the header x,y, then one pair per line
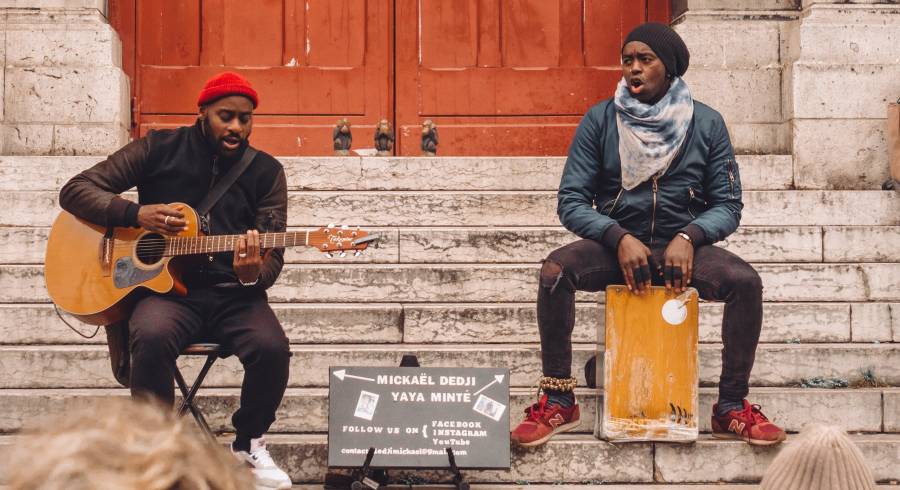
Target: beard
x,y
217,145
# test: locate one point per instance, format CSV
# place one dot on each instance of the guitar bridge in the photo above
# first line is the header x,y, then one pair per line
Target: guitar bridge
x,y
106,255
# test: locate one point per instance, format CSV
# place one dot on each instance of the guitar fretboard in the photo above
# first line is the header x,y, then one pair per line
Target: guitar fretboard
x,y
227,243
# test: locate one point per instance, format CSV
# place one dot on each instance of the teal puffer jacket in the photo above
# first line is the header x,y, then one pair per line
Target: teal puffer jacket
x,y
701,187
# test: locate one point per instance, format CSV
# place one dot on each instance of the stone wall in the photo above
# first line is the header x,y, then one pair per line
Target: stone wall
x,y
811,78
64,89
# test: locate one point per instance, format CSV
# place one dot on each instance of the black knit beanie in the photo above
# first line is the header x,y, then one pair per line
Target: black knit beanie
x,y
666,43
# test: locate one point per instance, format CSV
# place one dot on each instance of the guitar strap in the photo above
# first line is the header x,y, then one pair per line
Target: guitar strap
x,y
218,190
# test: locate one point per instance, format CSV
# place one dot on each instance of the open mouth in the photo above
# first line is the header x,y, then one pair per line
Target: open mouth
x,y
635,85
231,143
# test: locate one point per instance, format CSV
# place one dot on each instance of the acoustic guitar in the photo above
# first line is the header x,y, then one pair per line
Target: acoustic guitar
x,y
96,276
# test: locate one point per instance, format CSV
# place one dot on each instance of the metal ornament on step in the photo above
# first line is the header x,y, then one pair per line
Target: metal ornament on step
x,y
429,138
342,138
384,138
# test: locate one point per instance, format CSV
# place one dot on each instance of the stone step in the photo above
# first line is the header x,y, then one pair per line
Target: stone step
x,y
763,244
465,323
507,208
87,366
583,459
305,410
481,283
758,172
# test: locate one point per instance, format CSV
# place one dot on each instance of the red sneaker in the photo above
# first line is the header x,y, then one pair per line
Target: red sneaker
x,y
749,425
543,422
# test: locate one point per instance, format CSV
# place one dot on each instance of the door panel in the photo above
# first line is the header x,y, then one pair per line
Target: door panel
x,y
312,62
507,77
499,77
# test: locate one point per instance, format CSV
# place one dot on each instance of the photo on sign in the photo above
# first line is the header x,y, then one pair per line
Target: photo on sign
x,y
489,408
365,406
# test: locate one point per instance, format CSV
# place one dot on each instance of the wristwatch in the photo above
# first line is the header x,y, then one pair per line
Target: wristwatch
x,y
685,236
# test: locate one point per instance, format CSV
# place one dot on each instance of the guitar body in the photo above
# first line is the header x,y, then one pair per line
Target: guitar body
x,y
98,280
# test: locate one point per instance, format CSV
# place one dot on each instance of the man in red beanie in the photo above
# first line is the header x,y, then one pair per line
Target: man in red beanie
x,y
226,300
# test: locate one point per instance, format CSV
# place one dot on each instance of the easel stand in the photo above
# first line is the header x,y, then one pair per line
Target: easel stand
x,y
366,478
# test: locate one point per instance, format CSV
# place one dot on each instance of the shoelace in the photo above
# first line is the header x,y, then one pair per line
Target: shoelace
x,y
754,413
536,411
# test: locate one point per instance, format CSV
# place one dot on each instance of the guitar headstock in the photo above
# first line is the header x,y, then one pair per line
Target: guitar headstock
x,y
339,240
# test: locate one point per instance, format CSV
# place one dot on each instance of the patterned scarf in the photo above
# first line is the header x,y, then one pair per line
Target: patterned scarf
x,y
650,136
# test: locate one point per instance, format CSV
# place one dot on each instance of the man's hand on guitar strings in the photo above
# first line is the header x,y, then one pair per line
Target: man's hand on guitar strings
x,y
247,259
162,218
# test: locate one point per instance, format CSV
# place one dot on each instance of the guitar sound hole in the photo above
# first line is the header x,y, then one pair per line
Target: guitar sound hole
x,y
150,248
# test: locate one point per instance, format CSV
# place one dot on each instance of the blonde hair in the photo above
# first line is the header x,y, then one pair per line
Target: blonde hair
x,y
120,444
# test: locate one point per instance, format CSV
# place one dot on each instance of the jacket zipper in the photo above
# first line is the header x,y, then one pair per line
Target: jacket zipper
x,y
615,201
730,166
653,218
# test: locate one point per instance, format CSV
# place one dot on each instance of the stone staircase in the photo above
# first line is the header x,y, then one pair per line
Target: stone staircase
x,y
454,279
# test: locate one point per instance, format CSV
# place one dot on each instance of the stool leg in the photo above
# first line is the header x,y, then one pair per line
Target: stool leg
x,y
188,402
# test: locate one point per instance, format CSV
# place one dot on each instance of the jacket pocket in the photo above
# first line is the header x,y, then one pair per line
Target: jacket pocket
x,y
696,204
611,204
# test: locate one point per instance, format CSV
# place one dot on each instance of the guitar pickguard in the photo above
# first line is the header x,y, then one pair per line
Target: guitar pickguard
x,y
127,275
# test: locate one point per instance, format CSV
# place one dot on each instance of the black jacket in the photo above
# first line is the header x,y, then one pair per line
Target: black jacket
x,y
178,166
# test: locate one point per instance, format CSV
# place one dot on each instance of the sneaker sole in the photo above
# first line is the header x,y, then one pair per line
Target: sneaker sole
x,y
560,429
753,442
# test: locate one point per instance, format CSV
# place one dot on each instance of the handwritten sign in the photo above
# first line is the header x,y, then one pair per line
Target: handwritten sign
x,y
411,415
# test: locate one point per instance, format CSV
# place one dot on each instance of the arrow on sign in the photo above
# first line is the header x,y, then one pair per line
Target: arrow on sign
x,y
342,373
498,378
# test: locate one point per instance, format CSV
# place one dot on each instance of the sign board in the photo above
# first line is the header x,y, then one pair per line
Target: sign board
x,y
411,415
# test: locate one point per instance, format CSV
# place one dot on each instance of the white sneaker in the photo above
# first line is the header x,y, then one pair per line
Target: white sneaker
x,y
267,473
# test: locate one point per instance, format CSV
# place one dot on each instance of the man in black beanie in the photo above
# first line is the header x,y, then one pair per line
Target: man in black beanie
x,y
660,169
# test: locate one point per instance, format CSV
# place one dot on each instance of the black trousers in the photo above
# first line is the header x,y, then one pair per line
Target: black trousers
x,y
240,320
718,275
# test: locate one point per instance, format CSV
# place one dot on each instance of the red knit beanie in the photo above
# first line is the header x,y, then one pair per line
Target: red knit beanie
x,y
225,84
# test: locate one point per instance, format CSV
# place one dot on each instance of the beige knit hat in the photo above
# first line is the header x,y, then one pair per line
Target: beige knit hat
x,y
821,458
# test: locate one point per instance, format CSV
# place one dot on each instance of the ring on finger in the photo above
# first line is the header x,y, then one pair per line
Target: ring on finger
x,y
166,221
242,255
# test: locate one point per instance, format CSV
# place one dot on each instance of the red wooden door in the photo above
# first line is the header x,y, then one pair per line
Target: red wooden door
x,y
508,77
499,77
312,62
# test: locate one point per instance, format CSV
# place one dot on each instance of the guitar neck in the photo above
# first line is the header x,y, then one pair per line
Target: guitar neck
x,y
227,243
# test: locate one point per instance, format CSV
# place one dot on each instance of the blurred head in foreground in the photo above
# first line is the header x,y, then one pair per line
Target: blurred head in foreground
x,y
120,444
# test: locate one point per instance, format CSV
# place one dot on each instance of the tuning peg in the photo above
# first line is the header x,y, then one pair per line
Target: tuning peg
x,y
328,255
345,227
343,254
357,253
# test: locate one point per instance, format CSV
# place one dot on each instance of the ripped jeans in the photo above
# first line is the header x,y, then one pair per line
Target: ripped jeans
x,y
718,275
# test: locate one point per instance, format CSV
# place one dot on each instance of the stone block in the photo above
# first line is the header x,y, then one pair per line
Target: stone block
x,y
803,282
882,280
89,139
691,6
871,322
760,138
23,245
845,243
740,95
93,45
895,321
851,91
40,173
749,44
892,410
54,4
840,153
766,172
63,95
850,35
709,460
26,139
825,208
